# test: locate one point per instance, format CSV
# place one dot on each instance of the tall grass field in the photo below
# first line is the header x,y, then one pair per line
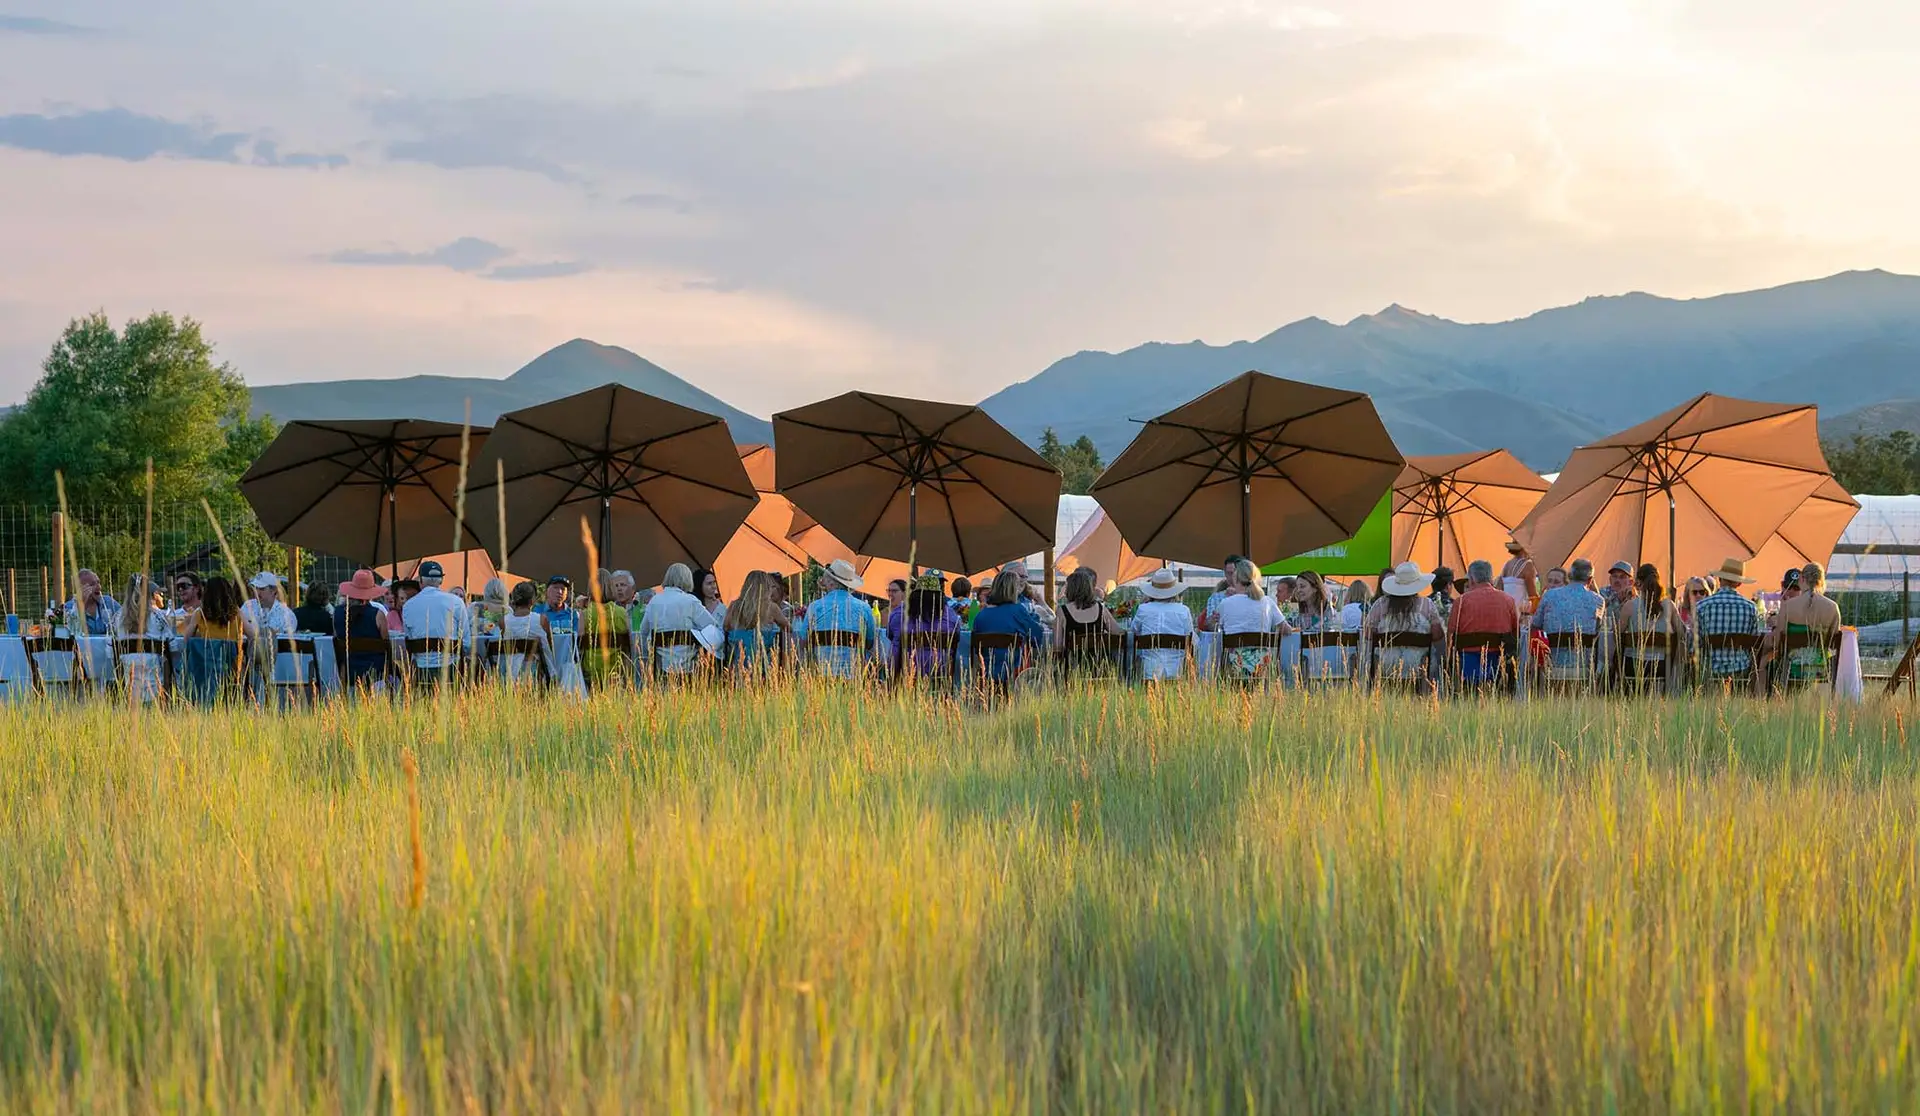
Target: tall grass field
x,y
817,900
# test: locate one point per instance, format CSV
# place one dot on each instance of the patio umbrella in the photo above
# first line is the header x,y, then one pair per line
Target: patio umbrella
x,y
367,490
1453,508
1712,479
656,482
762,542
931,484
471,569
1809,534
1259,466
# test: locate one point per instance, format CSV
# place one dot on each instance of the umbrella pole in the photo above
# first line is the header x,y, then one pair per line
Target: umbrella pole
x,y
1246,520
393,537
913,529
1673,559
606,530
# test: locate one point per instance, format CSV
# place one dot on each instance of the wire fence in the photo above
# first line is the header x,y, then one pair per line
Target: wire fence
x,y
118,542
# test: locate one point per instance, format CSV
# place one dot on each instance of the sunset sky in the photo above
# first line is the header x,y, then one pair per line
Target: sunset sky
x,y
782,200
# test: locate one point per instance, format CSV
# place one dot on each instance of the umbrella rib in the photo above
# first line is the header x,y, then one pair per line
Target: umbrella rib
x,y
988,489
1666,434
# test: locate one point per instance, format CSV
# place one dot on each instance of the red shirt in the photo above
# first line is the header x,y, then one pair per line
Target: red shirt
x,y
1484,609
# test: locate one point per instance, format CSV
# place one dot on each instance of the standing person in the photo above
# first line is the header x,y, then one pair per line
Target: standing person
x,y
1620,596
1162,613
1726,612
1247,610
1520,568
1649,631
266,613
94,613
838,610
1485,610
1401,610
361,617
315,614
434,613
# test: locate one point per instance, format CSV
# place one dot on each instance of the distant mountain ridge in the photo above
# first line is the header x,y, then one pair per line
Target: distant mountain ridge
x,y
1537,385
559,372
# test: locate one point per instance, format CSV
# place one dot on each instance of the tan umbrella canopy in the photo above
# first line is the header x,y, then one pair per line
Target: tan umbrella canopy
x,y
1809,534
1712,479
762,542
656,483
1453,508
1259,466
932,484
367,490
1098,544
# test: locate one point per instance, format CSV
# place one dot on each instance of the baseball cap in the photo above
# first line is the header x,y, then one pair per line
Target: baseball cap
x,y
1621,567
429,569
560,579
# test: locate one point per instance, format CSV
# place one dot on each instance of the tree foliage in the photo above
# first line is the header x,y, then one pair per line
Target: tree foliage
x,y
1882,464
1079,463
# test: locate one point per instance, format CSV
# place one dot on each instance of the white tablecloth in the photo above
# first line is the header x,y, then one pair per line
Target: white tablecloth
x,y
1848,683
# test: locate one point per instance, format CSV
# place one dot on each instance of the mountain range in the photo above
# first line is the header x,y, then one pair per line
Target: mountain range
x,y
1538,385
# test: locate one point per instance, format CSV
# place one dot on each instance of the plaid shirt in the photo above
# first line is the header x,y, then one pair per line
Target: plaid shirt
x,y
1728,613
1484,609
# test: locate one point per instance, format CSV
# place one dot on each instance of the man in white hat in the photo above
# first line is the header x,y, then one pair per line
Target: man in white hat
x,y
1162,613
266,613
1726,612
838,610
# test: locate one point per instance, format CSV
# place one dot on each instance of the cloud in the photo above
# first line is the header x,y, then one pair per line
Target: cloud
x,y
558,269
515,135
467,254
658,201
118,133
37,25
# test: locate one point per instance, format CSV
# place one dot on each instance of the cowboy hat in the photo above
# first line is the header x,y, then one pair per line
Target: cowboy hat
x,y
842,571
363,587
1514,547
1162,586
1735,571
1406,581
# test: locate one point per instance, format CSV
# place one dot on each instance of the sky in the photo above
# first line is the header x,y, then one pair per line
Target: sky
x,y
784,199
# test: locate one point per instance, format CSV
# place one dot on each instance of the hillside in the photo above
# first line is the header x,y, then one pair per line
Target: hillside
x,y
573,367
1878,418
1538,385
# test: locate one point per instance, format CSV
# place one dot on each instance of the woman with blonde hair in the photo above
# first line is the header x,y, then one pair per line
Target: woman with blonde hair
x,y
1247,610
757,628
1815,618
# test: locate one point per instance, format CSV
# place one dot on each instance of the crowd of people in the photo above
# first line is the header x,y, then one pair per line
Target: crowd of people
x,y
1407,626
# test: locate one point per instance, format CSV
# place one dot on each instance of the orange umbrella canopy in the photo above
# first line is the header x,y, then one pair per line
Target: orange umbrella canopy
x,y
1259,466
1712,479
1453,508
470,569
762,542
1098,544
1809,534
937,484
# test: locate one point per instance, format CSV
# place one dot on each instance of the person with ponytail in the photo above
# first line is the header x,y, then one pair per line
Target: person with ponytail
x,y
1649,631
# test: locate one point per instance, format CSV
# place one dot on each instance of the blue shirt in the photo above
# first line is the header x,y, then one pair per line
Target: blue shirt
x,y
1015,620
1573,607
559,619
841,611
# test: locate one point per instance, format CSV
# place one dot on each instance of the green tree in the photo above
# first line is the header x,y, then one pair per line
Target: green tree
x,y
108,401
1883,464
1079,463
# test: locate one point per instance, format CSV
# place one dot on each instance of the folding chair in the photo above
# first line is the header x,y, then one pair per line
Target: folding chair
x,y
1094,654
1582,675
446,674
1241,641
1419,682
1483,646
55,661
294,671
1180,643
1316,666
142,678
1741,641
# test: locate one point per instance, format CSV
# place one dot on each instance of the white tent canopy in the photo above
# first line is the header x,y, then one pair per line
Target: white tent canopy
x,y
1883,521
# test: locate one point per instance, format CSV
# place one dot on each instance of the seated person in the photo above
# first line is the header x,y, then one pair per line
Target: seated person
x,y
1726,612
838,610
520,623
675,608
757,627
1082,613
1485,610
360,617
1007,613
1572,606
1247,609
1401,610
925,613
1162,613
1810,611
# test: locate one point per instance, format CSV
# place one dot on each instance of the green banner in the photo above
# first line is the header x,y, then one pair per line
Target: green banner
x,y
1367,553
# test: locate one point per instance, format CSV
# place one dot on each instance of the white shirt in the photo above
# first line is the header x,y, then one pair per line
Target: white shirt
x,y
672,610
1352,617
1241,613
1162,618
277,621
434,613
